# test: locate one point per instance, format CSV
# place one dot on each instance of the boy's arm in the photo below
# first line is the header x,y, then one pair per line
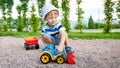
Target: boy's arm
x,y
45,40
62,40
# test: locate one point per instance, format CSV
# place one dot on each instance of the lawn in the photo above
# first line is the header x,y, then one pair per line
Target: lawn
x,y
78,35
72,35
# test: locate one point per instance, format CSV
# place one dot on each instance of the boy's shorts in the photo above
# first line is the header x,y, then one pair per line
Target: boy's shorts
x,y
55,39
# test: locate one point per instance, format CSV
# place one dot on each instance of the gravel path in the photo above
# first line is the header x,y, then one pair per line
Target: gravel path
x,y
96,53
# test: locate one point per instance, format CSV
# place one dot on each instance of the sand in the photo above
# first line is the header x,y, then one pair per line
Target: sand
x,y
95,53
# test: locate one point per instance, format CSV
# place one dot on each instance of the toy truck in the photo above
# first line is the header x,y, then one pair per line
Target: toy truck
x,y
50,53
31,42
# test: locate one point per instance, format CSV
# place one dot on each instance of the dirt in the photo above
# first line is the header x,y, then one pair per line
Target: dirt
x,y
95,53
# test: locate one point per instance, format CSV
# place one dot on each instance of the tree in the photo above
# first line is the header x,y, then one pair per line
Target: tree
x,y
34,20
9,11
24,9
91,23
65,12
3,7
19,22
55,3
108,9
118,10
40,5
79,13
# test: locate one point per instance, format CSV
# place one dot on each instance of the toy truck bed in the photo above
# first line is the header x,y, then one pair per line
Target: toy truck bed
x,y
31,43
31,40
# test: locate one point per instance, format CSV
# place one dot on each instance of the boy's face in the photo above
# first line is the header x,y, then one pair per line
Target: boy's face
x,y
51,17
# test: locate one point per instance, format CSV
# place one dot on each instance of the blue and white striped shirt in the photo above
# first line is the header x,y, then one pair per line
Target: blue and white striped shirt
x,y
54,30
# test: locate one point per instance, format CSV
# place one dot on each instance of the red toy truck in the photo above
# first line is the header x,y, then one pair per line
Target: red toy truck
x,y
31,42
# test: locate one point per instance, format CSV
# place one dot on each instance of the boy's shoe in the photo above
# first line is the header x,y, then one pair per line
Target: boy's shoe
x,y
68,49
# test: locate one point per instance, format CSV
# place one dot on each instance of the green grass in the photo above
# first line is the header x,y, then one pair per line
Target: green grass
x,y
78,35
73,35
20,34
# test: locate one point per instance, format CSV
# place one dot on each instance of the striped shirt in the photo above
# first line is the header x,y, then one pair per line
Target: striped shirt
x,y
54,30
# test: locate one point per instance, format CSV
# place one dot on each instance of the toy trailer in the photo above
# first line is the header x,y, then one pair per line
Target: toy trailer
x,y
31,42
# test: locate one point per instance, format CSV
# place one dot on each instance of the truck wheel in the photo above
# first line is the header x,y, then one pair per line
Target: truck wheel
x,y
26,46
60,60
37,46
45,58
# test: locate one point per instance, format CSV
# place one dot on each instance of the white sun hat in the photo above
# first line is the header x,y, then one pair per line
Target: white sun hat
x,y
46,9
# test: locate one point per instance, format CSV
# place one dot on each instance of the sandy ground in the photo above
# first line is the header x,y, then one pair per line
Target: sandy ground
x,y
96,53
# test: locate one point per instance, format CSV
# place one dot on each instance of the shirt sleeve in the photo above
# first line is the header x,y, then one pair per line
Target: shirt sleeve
x,y
60,27
43,30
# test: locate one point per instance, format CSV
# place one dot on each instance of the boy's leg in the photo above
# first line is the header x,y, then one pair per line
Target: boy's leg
x,y
67,47
66,40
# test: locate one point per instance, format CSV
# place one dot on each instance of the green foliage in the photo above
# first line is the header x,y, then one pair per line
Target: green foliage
x,y
102,25
24,1
5,27
80,17
3,6
9,5
55,3
24,20
24,9
0,28
118,10
19,22
96,25
108,9
91,23
19,25
78,1
19,9
80,26
118,6
66,10
115,25
34,20
9,21
65,22
40,4
6,7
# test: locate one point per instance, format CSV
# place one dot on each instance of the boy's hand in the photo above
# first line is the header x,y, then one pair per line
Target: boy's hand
x,y
46,40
